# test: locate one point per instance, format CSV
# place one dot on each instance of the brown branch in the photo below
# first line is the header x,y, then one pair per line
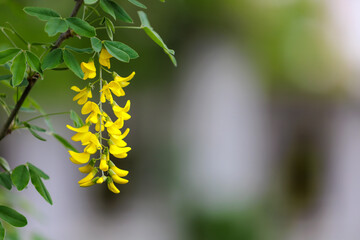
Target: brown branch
x,y
33,78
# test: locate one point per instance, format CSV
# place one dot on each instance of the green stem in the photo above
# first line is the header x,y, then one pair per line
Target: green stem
x,y
46,115
7,36
124,27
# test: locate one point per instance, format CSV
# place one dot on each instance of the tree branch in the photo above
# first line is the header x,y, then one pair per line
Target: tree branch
x,y
33,78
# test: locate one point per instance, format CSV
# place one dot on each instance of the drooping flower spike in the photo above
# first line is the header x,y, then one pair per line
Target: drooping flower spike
x,y
95,157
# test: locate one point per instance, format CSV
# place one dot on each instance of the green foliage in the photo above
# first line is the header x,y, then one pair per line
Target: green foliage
x,y
52,59
20,177
8,55
72,63
79,50
4,164
90,1
44,14
38,171
5,180
55,25
18,68
96,44
33,62
63,141
137,3
81,27
12,217
2,231
78,122
122,47
39,185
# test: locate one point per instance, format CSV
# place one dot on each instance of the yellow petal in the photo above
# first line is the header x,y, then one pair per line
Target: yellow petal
x,y
88,177
119,172
112,187
128,78
86,169
79,158
75,88
87,108
119,180
87,184
79,130
103,165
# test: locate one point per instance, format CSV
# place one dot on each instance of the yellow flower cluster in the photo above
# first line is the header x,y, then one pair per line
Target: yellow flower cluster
x,y
100,168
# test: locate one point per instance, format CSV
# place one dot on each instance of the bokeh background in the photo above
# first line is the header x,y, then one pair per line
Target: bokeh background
x,y
254,136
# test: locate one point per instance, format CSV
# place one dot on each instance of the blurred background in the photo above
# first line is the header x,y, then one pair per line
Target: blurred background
x,y
254,136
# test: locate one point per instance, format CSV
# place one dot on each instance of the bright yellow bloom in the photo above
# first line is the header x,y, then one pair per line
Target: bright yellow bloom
x,y
101,180
83,94
79,158
122,113
118,139
103,163
104,116
119,152
112,186
92,143
115,88
88,69
118,171
93,109
81,133
86,169
104,58
88,183
124,81
89,176
116,178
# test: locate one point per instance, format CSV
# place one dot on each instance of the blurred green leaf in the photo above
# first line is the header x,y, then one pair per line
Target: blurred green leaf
x,y
13,217
72,63
2,231
52,59
116,52
5,180
38,171
78,122
96,44
44,14
39,186
81,27
90,1
5,77
33,62
120,13
110,28
18,68
123,47
65,143
79,50
4,164
34,133
8,55
20,177
55,25
139,4
107,7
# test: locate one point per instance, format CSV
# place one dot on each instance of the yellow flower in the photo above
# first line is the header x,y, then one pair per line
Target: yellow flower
x,y
103,162
124,81
92,143
93,109
82,132
116,178
101,180
88,69
88,183
121,113
104,116
89,177
118,138
118,152
118,171
79,158
86,169
115,88
104,58
112,186
83,94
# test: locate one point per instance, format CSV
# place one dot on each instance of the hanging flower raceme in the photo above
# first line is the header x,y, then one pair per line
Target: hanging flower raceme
x,y
97,152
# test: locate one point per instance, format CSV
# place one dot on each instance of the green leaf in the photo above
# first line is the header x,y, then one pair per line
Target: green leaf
x,y
81,27
117,53
79,50
36,128
33,61
120,13
155,36
107,7
38,171
78,122
96,44
90,1
5,77
44,14
39,186
110,28
12,217
52,59
2,232
4,164
18,68
139,4
20,177
73,64
36,135
55,25
63,141
8,55
5,180
123,47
